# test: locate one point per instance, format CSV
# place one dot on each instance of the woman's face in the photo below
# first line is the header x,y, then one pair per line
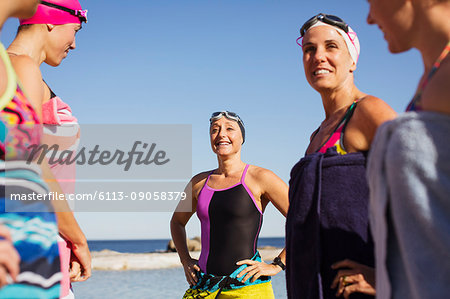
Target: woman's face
x,y
395,19
326,59
61,39
226,137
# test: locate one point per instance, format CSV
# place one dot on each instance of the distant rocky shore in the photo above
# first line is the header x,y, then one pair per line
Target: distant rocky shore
x,y
116,261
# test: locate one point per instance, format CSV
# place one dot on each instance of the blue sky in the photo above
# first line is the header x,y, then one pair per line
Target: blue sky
x,y
175,62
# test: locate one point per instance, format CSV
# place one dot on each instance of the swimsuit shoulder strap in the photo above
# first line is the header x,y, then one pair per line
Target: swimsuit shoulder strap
x,y
348,115
205,184
244,173
337,134
414,105
52,94
209,175
315,133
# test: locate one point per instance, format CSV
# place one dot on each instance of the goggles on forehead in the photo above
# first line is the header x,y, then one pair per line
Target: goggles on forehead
x,y
328,19
230,115
79,13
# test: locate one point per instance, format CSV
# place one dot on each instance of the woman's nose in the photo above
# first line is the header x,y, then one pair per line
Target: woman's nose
x,y
369,19
319,54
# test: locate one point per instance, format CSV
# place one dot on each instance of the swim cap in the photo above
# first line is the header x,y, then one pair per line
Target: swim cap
x,y
350,38
57,12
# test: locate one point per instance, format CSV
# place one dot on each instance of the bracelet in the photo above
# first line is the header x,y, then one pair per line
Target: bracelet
x,y
277,262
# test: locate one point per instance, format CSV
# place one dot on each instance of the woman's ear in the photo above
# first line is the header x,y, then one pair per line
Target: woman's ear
x,y
50,27
353,67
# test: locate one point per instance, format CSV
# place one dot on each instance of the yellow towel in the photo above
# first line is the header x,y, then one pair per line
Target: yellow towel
x,y
256,291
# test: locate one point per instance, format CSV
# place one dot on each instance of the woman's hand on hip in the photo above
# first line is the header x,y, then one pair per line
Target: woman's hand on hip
x,y
257,269
190,267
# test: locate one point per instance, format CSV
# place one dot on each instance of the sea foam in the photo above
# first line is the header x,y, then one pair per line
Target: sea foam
x,y
116,261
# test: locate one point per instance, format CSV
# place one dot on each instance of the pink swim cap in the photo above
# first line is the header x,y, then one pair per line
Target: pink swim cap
x,y
57,12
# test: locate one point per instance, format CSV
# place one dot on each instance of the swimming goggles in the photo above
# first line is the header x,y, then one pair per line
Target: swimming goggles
x,y
328,19
79,13
230,115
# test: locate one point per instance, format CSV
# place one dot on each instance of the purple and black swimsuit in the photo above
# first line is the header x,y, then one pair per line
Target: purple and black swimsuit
x,y
230,223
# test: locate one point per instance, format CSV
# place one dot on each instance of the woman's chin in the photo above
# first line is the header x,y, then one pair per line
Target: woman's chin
x,y
224,153
322,87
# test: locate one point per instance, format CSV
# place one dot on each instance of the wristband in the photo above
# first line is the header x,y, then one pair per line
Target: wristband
x,y
277,262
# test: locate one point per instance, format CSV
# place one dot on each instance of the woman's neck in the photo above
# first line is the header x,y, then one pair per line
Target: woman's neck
x,y
28,44
339,99
230,165
434,32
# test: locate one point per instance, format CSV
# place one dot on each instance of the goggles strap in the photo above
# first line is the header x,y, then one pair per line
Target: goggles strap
x,y
328,19
77,13
234,117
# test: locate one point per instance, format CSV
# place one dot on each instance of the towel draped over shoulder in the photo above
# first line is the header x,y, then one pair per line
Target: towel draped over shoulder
x,y
409,177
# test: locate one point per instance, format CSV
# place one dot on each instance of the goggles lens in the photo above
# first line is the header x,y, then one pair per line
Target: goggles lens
x,y
82,15
230,115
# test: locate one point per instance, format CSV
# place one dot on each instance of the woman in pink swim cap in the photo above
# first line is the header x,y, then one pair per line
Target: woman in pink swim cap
x,y
48,36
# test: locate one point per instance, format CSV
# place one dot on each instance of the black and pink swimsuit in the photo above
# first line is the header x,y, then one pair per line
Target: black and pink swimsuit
x,y
230,222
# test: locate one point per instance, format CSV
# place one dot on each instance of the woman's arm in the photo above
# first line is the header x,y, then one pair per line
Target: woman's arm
x,y
178,231
68,226
180,218
272,189
369,115
31,80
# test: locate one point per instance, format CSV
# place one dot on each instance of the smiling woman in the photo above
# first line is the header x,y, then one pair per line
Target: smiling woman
x,y
328,190
229,202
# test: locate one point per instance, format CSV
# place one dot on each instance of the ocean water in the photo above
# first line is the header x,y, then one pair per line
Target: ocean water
x,y
162,283
146,246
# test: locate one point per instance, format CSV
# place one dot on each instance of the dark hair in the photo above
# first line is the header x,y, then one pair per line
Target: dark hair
x,y
23,27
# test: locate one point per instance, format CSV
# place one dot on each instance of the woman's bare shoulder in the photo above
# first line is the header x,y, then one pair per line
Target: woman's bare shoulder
x,y
199,180
24,65
30,78
261,174
374,110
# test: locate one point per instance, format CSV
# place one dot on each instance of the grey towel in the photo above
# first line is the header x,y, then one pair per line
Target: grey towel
x,y
409,179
